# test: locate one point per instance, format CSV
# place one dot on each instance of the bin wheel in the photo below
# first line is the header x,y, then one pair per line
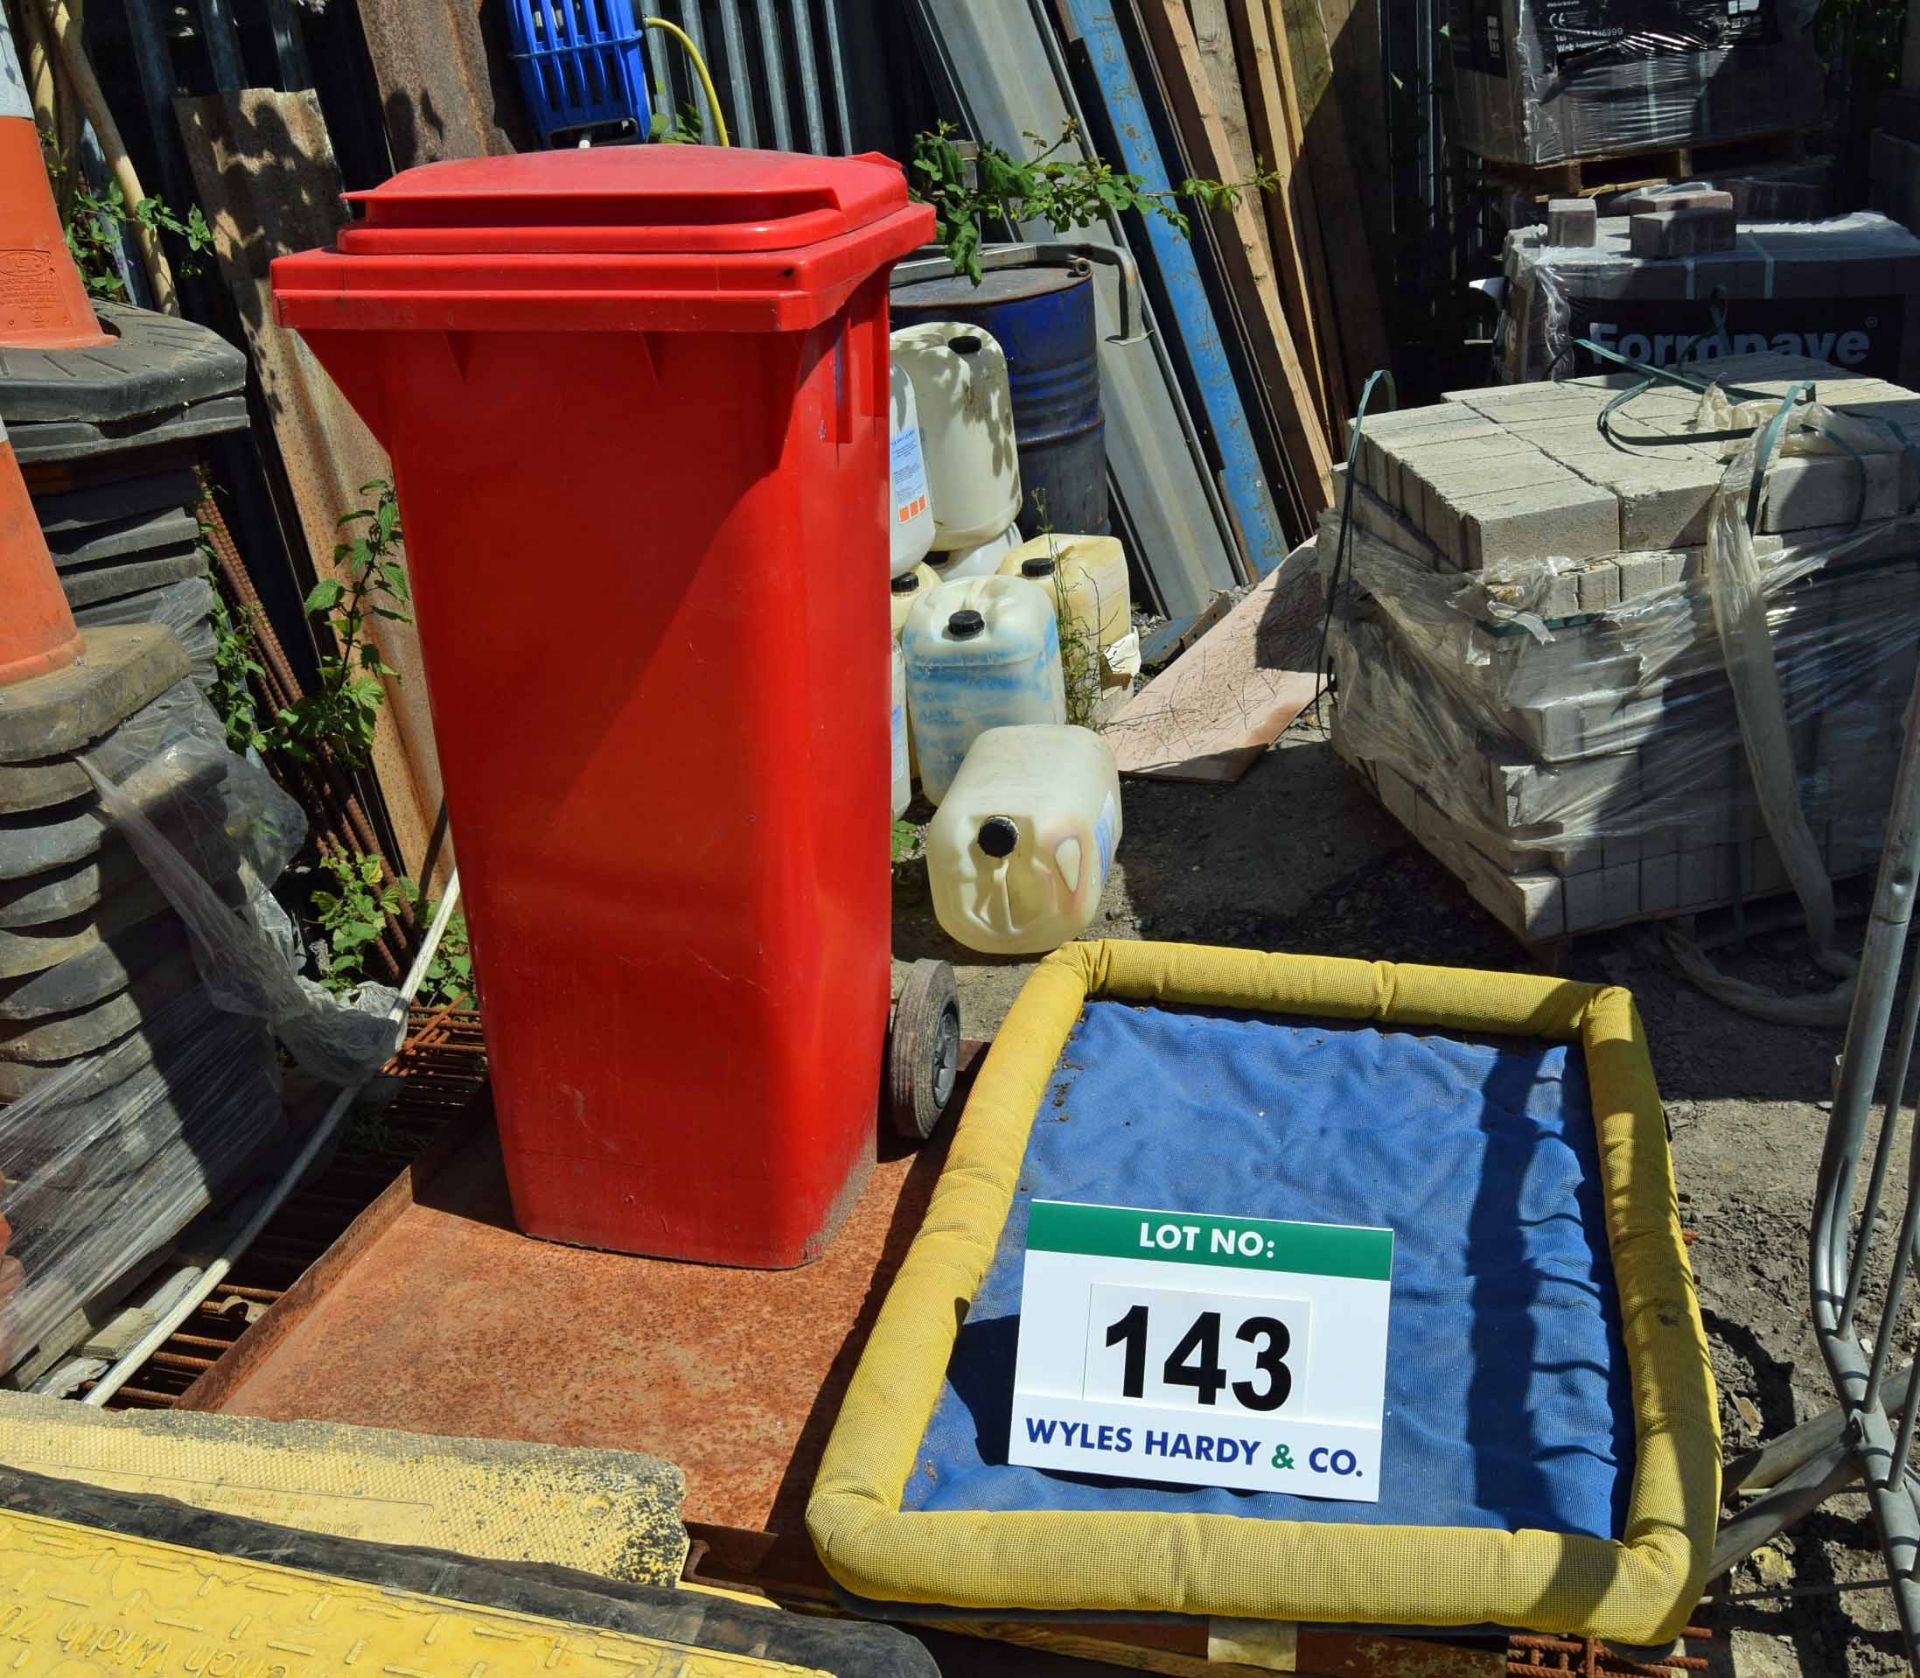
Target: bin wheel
x,y
923,1050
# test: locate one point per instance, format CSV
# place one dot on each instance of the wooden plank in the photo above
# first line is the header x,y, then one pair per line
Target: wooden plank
x,y
1242,252
1288,219
1337,192
264,172
1211,713
1213,35
1335,350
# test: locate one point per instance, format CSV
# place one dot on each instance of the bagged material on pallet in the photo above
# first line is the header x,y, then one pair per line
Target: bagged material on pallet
x,y
1601,737
1845,290
1543,81
139,1074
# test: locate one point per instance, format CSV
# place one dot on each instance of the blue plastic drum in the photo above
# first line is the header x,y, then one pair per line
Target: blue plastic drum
x,y
1043,317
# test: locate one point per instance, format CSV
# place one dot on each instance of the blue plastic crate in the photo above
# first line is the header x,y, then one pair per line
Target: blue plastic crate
x,y
581,63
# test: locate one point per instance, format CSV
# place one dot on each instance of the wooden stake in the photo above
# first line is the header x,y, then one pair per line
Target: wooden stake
x,y
1212,35
1242,251
1337,188
1278,148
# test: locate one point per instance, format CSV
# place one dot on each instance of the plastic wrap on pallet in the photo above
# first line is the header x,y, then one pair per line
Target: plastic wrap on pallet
x,y
1543,81
1845,290
106,1158
1545,735
226,804
108,1161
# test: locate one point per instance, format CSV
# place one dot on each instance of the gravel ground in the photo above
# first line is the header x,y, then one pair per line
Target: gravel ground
x,y
1297,856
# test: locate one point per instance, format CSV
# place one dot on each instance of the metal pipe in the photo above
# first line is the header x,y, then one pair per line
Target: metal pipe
x,y
1793,1499
1893,1098
837,72
696,32
809,79
776,69
275,1197
1897,1283
289,45
1766,1467
1865,1041
223,46
1903,1444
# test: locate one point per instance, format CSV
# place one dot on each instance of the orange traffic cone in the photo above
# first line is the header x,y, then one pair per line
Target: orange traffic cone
x,y
37,632
43,304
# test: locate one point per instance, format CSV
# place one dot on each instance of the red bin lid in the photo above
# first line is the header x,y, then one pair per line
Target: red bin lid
x,y
632,200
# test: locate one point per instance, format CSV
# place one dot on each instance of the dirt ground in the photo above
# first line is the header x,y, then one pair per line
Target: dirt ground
x,y
1298,856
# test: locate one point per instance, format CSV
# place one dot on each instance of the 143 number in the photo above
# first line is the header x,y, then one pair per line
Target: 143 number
x,y
1195,1359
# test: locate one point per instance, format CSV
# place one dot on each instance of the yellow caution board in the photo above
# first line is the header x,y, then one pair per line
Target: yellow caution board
x,y
79,1602
614,1513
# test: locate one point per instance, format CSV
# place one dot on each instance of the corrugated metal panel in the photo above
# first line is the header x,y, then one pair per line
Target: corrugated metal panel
x,y
447,88
779,66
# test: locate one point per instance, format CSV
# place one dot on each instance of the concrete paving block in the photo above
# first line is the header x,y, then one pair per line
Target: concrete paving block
x,y
1576,859
1621,886
1619,849
1405,465
1385,436
1649,575
1557,520
1662,495
1572,223
1709,875
1697,231
1659,884
1585,898
1529,905
1598,585
1679,195
1804,492
1509,405
1385,524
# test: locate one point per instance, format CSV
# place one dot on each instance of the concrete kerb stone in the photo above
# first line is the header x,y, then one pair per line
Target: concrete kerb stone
x,y
1564,519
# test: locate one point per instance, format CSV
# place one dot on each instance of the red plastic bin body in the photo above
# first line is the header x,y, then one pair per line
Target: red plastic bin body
x,y
644,491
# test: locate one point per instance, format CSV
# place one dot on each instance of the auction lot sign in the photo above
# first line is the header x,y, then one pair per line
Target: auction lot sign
x,y
1203,1350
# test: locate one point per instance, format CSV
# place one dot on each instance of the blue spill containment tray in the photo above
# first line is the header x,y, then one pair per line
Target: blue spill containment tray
x,y
1507,1402
1551,1449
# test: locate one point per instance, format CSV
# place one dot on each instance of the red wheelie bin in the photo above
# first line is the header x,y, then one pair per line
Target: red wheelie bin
x,y
636,400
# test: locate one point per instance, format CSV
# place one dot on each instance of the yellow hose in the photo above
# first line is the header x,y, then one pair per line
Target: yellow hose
x,y
700,69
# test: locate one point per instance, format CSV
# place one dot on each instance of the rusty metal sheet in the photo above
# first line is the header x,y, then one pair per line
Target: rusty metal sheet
x,y
446,85
264,172
735,1375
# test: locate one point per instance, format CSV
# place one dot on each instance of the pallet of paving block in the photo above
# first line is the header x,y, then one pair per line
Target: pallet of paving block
x,y
1621,171
1543,909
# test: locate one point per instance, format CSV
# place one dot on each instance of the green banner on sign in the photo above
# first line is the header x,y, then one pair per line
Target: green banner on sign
x,y
1059,1226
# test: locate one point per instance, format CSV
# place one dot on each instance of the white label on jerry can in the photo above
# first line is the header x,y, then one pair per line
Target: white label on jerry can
x,y
909,475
